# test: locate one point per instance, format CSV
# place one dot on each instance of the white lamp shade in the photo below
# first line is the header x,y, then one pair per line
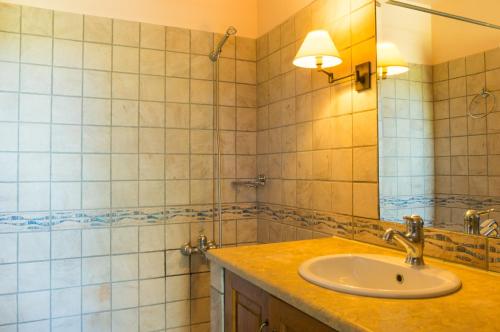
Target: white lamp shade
x,y
317,50
389,60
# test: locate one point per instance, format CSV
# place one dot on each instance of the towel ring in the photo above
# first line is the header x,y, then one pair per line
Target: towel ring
x,y
484,94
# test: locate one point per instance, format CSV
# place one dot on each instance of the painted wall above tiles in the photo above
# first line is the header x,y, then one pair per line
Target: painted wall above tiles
x,y
214,15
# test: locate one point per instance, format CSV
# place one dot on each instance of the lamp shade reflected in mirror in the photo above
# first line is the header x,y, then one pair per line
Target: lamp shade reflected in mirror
x,y
389,60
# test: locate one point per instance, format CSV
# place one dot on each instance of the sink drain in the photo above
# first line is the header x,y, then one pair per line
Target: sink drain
x,y
399,278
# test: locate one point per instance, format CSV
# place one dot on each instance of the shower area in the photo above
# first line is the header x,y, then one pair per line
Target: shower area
x,y
120,142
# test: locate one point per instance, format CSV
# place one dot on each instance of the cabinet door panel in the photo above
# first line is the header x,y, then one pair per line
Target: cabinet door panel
x,y
245,305
285,318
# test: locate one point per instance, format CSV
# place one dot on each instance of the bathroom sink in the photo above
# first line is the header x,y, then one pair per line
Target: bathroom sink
x,y
378,276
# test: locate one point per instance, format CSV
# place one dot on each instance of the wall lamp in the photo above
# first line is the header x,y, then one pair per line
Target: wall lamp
x,y
318,52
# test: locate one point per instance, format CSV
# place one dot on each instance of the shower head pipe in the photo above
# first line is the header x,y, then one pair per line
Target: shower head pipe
x,y
215,54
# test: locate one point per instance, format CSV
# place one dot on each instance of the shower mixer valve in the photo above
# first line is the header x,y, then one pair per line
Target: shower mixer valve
x,y
203,246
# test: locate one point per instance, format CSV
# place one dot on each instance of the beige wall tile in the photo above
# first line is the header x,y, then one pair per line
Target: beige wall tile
x,y
68,25
365,128
124,112
201,42
125,59
67,82
35,79
202,167
97,56
365,161
177,90
492,59
37,21
178,40
177,64
176,193
151,140
365,200
474,63
363,23
97,29
10,44
201,141
96,84
342,197
124,140
201,92
126,33
322,195
201,191
176,141
246,72
125,86
152,36
176,167
68,53
152,88
36,50
152,62
343,134
227,94
245,48
10,17
201,67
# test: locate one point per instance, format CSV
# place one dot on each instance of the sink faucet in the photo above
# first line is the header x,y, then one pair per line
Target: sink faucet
x,y
472,221
413,240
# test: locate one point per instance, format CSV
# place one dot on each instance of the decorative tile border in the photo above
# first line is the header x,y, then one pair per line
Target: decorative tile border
x,y
494,255
452,201
20,222
475,251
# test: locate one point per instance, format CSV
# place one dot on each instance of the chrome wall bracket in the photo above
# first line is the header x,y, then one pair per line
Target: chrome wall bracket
x,y
260,181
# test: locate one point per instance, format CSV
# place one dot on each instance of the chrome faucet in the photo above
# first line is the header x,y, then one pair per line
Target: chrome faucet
x,y
413,240
472,221
203,246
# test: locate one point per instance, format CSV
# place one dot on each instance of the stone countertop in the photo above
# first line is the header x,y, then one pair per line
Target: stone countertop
x,y
274,268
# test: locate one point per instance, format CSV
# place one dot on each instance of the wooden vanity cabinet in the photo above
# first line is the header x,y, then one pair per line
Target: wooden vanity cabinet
x,y
250,309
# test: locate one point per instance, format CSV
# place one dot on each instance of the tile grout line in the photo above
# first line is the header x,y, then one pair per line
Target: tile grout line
x,y
18,167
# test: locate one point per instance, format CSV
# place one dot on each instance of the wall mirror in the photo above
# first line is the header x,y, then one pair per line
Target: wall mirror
x,y
438,64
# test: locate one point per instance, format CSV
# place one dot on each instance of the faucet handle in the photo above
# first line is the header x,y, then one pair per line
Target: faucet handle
x,y
414,223
485,211
476,213
414,219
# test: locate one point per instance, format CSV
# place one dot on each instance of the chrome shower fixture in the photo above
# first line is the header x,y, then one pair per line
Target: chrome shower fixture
x,y
215,54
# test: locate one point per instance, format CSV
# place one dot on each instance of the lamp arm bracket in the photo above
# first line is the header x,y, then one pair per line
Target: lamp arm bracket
x,y
362,75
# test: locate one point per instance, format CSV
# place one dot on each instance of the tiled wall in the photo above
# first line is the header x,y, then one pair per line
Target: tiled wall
x,y
406,144
317,142
106,168
467,149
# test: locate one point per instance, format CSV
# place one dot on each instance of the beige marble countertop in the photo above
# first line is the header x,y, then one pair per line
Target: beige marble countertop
x,y
273,267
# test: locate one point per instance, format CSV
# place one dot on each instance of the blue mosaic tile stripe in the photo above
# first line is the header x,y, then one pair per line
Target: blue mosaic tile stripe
x,y
77,219
457,201
18,222
390,202
324,222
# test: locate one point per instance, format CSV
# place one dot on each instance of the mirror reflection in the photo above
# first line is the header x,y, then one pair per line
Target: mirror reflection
x,y
439,112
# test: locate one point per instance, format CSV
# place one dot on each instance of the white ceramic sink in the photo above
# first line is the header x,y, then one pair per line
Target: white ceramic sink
x,y
378,276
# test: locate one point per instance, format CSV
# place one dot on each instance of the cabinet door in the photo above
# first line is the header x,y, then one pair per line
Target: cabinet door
x,y
285,318
245,305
